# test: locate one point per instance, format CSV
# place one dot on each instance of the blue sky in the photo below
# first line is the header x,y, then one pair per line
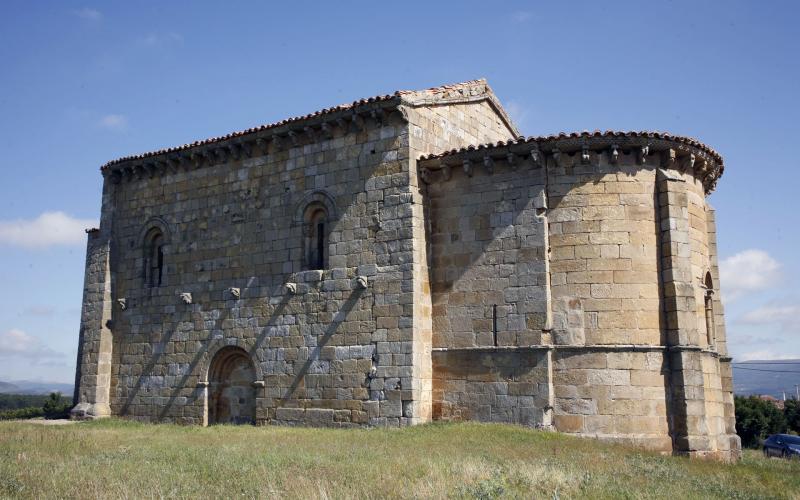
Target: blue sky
x,y
85,83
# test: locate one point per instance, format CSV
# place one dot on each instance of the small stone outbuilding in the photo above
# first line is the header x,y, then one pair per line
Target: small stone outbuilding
x,y
407,258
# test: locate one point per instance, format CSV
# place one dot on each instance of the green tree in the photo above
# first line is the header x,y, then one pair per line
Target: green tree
x,y
55,406
791,411
756,419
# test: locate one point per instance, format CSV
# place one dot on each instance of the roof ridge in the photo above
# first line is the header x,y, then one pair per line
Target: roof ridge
x,y
380,98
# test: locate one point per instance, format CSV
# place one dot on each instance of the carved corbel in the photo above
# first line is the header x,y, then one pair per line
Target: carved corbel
x,y
293,137
186,297
233,151
557,156
425,175
668,158
701,165
342,124
162,166
291,288
310,133
173,163
446,172
688,162
467,167
138,171
613,154
236,293
641,155
115,176
277,142
536,158
379,116
362,282
196,159
151,169
123,304
222,154
511,160
183,161
357,122
586,156
326,130
488,164
262,145
210,157
246,147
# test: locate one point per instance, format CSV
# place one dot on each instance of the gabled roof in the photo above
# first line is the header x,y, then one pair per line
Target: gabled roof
x,y
469,91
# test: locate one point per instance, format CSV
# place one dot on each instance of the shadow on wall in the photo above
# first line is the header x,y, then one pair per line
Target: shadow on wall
x,y
314,355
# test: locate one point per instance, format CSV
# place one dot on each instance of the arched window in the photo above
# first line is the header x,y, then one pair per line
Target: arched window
x,y
316,216
316,236
709,308
154,258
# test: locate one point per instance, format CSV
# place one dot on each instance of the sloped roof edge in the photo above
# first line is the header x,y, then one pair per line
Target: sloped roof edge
x,y
468,91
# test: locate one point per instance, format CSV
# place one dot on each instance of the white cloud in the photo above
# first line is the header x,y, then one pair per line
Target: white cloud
x,y
89,14
746,272
765,355
114,122
522,16
156,39
786,316
49,229
16,343
517,113
39,311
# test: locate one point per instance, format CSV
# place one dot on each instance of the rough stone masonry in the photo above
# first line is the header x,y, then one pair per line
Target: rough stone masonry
x,y
407,258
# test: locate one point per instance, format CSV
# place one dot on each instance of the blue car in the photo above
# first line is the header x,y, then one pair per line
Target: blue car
x,y
782,445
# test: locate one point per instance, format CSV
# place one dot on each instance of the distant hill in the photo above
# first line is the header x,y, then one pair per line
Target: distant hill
x,y
35,387
766,377
5,387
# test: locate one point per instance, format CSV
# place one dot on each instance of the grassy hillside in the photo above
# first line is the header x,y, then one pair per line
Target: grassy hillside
x,y
114,459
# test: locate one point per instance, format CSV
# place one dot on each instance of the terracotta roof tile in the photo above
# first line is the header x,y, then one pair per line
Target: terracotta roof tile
x,y
326,111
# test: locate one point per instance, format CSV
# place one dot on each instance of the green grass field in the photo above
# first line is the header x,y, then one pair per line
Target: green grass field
x,y
118,459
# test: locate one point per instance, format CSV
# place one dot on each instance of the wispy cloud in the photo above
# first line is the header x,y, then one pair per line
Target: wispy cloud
x,y
89,14
39,311
787,316
161,39
517,112
747,272
48,229
114,122
522,16
766,354
17,343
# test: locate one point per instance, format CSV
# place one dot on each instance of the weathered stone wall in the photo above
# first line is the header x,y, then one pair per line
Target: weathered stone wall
x,y
330,353
94,364
488,254
509,386
628,243
438,128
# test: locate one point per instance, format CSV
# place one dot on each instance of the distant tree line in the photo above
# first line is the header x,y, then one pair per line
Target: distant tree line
x,y
13,406
756,419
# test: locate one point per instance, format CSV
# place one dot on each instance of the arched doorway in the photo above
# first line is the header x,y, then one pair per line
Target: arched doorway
x,y
232,397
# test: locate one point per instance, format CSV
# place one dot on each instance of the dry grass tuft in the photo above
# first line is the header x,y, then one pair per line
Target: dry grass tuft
x,y
119,459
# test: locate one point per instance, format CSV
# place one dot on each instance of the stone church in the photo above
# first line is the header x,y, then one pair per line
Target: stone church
x,y
407,258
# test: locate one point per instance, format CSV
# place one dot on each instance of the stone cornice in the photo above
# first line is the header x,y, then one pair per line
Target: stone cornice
x,y
566,150
264,140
